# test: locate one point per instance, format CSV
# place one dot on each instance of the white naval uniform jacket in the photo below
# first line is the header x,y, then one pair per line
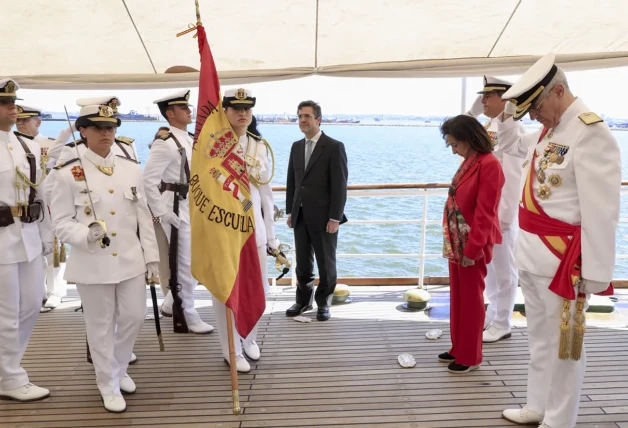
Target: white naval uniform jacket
x,y
262,196
587,193
508,210
20,242
69,152
164,164
45,143
127,255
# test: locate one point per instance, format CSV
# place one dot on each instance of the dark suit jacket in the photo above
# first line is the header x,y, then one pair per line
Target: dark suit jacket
x,y
478,194
318,192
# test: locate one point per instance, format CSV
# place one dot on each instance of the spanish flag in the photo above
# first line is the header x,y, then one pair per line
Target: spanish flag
x,y
224,251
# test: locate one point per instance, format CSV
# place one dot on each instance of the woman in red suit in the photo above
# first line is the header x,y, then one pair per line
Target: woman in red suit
x,y
470,229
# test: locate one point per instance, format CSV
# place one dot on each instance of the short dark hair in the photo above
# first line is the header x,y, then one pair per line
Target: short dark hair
x,y
163,109
468,129
309,103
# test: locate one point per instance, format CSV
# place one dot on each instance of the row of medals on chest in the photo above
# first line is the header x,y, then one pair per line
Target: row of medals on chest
x,y
553,154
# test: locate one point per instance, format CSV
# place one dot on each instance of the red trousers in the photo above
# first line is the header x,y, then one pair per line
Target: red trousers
x,y
467,312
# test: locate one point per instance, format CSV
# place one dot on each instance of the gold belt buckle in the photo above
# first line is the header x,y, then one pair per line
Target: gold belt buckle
x,y
16,211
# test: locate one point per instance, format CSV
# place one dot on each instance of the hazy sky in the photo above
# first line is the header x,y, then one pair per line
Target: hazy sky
x,y
604,91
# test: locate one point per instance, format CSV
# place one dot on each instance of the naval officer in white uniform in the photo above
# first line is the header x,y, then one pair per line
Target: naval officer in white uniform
x,y
28,122
25,238
111,280
161,173
502,278
572,174
238,105
123,146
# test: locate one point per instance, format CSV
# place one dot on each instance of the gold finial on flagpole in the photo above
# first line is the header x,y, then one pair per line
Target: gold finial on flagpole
x,y
192,27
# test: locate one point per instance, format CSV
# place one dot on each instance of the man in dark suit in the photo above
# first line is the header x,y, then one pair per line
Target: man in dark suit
x,y
315,201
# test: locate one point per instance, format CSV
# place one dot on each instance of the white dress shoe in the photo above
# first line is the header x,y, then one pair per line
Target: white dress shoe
x,y
114,403
200,328
133,358
487,323
28,392
127,385
242,366
53,301
493,334
251,350
523,416
166,311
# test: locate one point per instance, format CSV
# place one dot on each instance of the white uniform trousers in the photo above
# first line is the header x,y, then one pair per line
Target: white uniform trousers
x,y
554,385
114,314
220,310
501,282
187,281
20,300
54,282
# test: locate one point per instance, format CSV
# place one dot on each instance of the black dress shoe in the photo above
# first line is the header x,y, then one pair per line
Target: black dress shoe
x,y
297,309
446,357
323,313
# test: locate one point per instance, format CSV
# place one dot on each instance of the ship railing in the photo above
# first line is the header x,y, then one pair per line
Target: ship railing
x,y
425,191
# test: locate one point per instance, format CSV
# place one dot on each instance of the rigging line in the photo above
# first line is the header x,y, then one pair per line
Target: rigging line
x,y
504,29
139,35
316,40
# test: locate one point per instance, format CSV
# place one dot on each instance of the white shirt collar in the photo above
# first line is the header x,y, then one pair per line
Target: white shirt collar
x,y
97,160
572,111
315,138
180,133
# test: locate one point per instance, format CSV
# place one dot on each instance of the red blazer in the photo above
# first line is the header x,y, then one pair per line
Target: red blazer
x,y
478,194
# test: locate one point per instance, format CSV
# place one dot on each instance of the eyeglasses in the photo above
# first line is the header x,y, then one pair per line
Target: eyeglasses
x,y
305,116
537,109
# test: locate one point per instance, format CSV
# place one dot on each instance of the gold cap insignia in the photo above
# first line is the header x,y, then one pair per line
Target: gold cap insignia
x,y
241,94
114,105
9,87
105,111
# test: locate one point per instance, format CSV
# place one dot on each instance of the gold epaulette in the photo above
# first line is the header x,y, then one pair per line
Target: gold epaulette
x,y
21,134
61,165
126,140
166,136
257,137
74,143
590,118
129,159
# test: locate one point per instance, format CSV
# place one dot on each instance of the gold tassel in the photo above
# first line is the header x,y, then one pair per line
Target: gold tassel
x,y
55,252
579,329
62,255
563,350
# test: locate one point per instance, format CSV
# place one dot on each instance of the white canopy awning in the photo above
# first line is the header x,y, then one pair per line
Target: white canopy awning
x,y
131,43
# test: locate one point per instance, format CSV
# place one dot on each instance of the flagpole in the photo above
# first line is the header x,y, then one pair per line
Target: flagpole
x,y
232,364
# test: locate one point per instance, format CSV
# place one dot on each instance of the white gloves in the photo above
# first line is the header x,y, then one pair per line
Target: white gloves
x,y
592,287
477,108
96,232
273,243
171,219
152,270
46,248
510,108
